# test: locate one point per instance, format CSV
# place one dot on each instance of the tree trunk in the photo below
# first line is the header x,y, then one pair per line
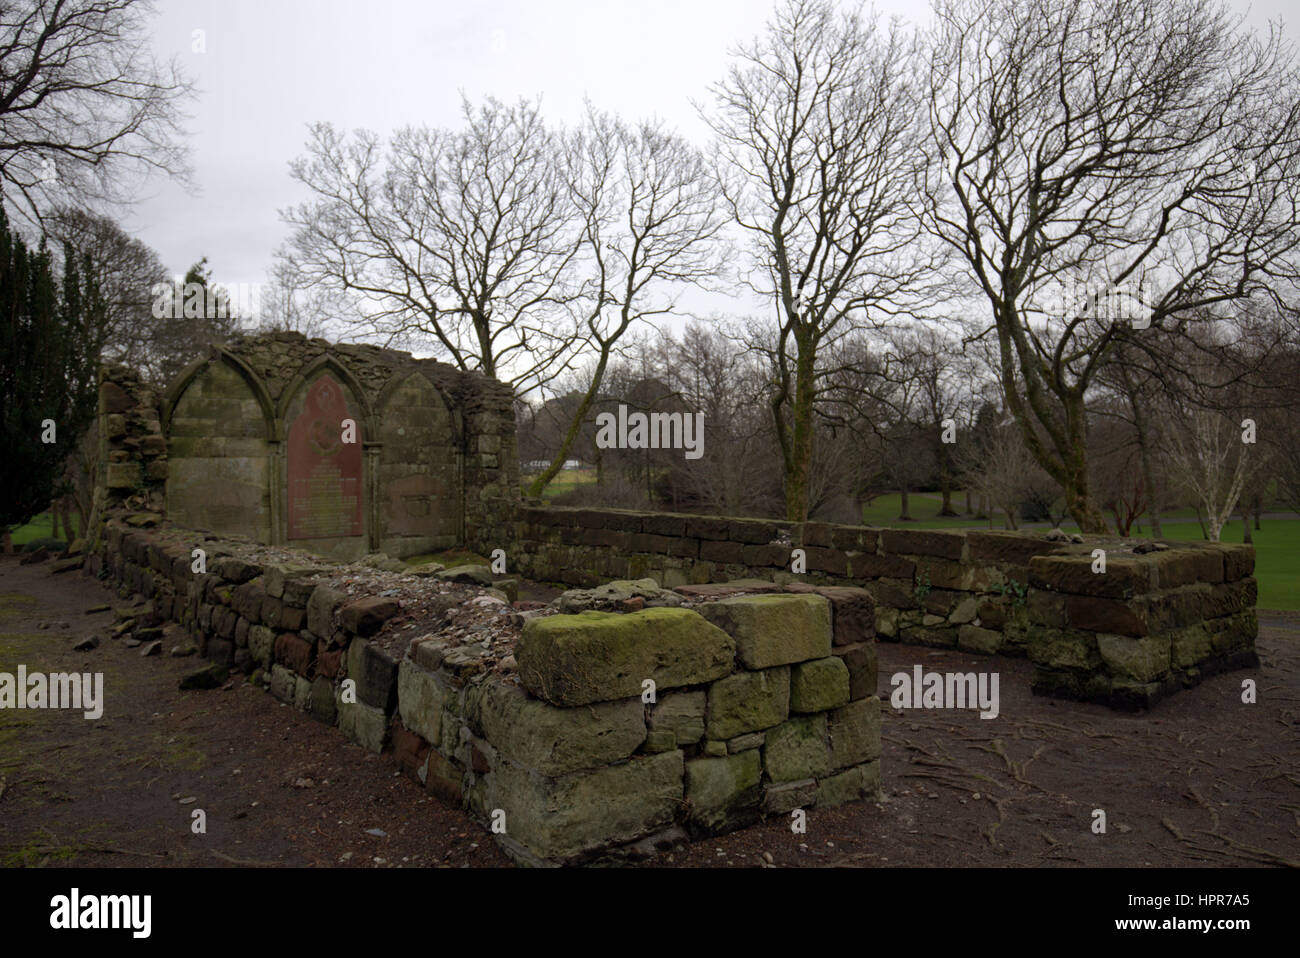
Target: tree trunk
x,y
1245,524
1200,520
945,486
539,484
1259,508
801,442
1081,507
968,503
905,512
1148,480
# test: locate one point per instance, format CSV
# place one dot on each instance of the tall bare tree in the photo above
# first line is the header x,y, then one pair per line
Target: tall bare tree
x,y
817,136
650,221
85,108
1089,146
463,240
126,270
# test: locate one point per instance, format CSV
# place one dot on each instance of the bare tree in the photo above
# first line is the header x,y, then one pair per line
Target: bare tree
x,y
713,374
1205,451
817,136
1136,387
84,106
997,465
937,367
291,303
1090,146
650,221
460,240
127,272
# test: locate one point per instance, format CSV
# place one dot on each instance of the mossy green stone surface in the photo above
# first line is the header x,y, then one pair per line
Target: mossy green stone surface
x,y
556,741
682,714
1144,659
859,782
819,685
854,732
748,702
570,660
797,749
560,819
723,792
773,630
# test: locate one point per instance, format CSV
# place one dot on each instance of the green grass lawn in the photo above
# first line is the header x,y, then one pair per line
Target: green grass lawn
x,y
38,528
884,511
1277,557
566,480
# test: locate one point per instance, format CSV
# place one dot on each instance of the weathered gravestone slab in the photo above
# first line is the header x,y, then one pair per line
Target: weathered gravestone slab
x,y
324,472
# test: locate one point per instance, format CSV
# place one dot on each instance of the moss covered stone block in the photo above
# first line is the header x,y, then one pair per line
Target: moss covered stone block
x,y
1145,660
855,784
784,797
772,630
748,702
723,793
981,641
571,660
854,732
682,714
363,724
556,741
564,818
798,748
819,685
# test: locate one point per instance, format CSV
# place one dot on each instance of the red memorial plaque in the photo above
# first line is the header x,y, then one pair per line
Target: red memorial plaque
x,y
324,471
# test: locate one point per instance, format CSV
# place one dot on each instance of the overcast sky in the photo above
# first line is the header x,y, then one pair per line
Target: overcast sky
x,y
270,67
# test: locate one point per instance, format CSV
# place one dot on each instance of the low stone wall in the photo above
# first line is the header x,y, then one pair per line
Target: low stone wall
x,y
541,725
1148,624
752,714
1152,624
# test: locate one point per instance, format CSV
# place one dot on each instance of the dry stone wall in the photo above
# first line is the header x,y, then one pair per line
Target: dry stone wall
x,y
584,760
1151,623
594,736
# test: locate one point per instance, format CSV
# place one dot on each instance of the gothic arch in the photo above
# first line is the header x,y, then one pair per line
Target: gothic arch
x,y
172,395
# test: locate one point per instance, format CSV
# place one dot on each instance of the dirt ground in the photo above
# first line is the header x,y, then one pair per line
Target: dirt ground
x,y
1202,780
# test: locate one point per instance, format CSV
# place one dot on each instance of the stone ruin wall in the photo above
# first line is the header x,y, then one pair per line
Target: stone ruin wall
x,y
1151,624
247,441
542,729
765,679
